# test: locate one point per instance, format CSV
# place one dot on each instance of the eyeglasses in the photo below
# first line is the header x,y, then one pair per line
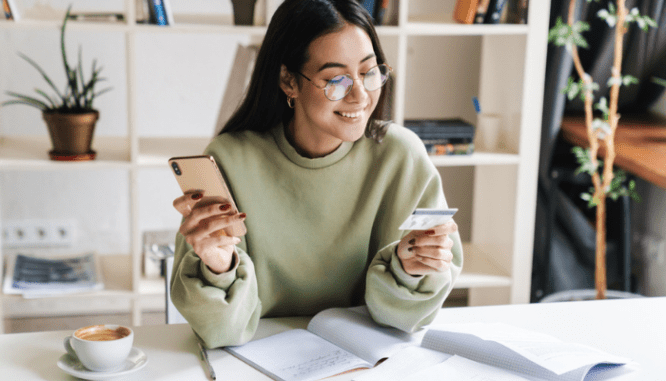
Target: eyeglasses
x,y
338,87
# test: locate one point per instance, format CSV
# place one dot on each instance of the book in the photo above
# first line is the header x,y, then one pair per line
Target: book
x,y
336,340
369,6
340,340
481,11
495,10
449,147
35,276
380,12
168,13
451,128
516,11
10,10
465,11
157,14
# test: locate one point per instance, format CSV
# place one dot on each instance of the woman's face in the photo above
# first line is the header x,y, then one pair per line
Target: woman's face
x,y
319,125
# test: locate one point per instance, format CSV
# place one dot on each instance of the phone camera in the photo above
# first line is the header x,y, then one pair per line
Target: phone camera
x,y
176,169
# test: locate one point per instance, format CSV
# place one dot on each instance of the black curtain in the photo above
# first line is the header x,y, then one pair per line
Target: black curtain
x,y
558,262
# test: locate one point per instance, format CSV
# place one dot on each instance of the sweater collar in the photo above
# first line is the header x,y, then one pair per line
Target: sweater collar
x,y
290,152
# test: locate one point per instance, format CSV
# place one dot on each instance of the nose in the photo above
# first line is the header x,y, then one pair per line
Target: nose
x,y
358,92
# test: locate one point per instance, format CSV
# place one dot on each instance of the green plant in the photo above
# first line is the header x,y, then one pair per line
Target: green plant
x,y
600,131
78,95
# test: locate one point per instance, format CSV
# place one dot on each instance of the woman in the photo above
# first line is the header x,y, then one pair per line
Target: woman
x,y
323,203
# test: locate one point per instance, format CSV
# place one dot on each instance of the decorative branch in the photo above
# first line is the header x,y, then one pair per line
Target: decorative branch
x,y
600,133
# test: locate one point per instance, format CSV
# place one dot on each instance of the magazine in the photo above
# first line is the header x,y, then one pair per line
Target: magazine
x,y
33,276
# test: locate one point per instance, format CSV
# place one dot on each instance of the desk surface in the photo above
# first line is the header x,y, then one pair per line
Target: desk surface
x,y
640,144
632,328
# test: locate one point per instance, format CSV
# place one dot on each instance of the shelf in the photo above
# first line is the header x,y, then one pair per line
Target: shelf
x,y
477,158
116,297
478,271
31,153
443,25
155,152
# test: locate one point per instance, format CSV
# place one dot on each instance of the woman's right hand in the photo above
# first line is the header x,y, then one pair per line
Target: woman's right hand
x,y
202,229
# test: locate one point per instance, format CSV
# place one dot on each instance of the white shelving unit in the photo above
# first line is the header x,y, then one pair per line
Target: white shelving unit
x,y
438,67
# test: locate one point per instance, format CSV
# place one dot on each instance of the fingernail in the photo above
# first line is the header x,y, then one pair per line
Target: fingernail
x,y
242,216
412,241
197,196
225,207
430,232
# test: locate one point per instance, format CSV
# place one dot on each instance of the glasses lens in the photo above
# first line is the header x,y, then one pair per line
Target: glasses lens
x,y
338,87
376,77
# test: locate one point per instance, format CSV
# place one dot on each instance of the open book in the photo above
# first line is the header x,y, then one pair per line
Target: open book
x,y
341,340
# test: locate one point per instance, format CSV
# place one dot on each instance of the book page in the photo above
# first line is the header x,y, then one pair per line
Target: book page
x,y
461,369
531,353
297,355
355,331
402,364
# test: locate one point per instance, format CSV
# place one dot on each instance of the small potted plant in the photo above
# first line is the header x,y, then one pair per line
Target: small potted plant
x,y
69,114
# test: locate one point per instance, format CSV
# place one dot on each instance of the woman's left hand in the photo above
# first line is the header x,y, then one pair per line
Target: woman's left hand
x,y
424,252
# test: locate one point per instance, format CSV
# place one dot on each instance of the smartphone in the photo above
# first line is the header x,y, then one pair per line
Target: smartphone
x,y
200,173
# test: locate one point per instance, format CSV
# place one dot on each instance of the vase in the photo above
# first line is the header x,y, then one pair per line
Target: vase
x,y
243,11
71,135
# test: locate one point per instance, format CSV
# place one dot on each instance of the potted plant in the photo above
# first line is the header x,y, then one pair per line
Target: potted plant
x,y
600,131
69,114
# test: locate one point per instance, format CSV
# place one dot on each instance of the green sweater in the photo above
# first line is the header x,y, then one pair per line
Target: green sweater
x,y
320,233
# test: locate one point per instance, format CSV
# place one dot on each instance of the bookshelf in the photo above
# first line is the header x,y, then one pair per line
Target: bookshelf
x,y
438,66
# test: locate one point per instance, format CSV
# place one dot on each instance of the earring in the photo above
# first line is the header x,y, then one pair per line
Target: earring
x,y
290,101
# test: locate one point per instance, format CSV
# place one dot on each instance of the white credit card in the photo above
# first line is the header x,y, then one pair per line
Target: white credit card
x,y
422,219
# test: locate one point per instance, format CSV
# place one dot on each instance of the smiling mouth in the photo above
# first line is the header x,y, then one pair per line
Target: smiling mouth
x,y
350,115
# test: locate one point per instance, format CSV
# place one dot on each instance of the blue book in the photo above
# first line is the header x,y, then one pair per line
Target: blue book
x,y
369,6
158,14
495,11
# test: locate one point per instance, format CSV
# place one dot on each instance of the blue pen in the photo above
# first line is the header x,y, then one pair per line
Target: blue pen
x,y
477,106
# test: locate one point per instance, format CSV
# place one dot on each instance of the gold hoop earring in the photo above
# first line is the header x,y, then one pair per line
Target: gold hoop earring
x,y
290,102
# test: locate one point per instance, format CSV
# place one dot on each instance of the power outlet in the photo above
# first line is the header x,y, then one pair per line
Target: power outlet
x,y
38,233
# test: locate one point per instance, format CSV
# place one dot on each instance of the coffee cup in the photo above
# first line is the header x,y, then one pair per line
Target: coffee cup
x,y
101,348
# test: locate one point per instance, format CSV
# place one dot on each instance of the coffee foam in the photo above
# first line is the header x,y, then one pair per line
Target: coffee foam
x,y
101,333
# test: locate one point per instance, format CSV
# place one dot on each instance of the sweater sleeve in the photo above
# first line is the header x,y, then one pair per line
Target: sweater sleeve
x,y
407,302
223,309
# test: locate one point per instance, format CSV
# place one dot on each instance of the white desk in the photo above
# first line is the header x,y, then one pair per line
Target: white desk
x,y
633,328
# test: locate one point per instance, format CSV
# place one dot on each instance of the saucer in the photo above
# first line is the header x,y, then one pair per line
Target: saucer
x,y
71,365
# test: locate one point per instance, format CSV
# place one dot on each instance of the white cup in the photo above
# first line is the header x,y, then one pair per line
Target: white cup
x,y
488,128
101,348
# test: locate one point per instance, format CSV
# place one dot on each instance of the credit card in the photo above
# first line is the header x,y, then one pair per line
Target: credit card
x,y
423,219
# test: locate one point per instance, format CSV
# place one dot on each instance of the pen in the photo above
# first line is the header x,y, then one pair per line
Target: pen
x,y
204,358
477,106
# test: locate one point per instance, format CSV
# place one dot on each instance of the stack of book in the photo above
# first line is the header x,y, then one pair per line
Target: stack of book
x,y
444,136
490,11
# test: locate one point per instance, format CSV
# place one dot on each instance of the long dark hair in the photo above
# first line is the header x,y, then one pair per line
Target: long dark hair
x,y
295,24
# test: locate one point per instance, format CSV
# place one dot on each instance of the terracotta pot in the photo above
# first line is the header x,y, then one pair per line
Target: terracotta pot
x,y
71,134
243,11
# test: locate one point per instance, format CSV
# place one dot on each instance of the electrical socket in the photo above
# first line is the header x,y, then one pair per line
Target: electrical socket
x,y
38,233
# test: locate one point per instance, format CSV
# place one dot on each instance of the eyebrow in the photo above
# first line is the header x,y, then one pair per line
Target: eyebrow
x,y
328,65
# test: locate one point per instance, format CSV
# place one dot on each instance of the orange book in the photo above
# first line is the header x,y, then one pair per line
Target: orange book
x,y
465,11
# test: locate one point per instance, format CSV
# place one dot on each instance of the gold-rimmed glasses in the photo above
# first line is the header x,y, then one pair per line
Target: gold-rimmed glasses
x,y
340,85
